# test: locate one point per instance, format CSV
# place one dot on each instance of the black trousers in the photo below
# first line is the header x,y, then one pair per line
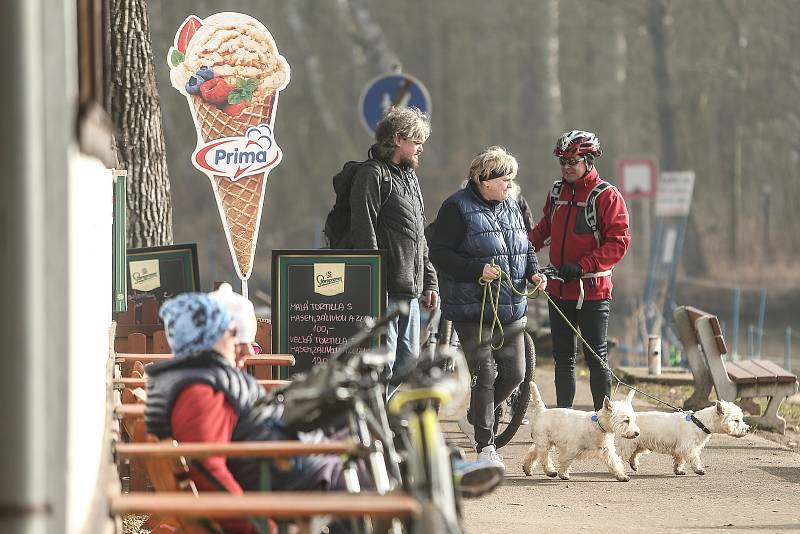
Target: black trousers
x,y
495,375
592,321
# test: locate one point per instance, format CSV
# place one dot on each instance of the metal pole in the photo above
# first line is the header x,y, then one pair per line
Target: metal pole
x,y
761,310
669,300
649,285
211,267
787,349
737,301
750,341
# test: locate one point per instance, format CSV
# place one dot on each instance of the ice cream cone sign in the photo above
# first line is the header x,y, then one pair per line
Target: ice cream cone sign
x,y
229,69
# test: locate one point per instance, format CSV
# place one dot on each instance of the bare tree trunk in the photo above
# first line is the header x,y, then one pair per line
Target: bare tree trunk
x,y
659,24
370,36
621,79
136,112
555,117
741,90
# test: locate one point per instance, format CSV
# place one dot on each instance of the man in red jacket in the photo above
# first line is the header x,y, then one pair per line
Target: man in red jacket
x,y
585,223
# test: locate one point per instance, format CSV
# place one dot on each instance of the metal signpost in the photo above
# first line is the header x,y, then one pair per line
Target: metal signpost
x,y
673,201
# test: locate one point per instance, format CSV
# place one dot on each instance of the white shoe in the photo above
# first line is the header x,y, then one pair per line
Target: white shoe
x,y
468,430
490,453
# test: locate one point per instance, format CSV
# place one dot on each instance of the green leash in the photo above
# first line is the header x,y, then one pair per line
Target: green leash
x,y
495,303
487,284
603,364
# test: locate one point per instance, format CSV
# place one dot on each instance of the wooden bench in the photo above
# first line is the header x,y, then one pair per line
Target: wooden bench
x,y
274,505
705,347
257,360
176,501
136,382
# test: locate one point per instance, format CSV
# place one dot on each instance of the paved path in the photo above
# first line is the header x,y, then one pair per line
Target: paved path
x,y
752,485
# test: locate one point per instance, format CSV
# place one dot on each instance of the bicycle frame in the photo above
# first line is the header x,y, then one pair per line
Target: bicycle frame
x,y
429,468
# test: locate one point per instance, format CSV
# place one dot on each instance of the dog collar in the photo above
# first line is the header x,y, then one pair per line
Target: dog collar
x,y
597,420
690,417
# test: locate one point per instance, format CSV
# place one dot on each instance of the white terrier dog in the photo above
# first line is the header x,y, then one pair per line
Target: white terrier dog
x,y
678,435
578,434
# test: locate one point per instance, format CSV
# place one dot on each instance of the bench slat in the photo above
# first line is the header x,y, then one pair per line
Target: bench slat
x,y
131,382
258,359
247,449
124,330
739,374
781,374
762,375
276,505
129,411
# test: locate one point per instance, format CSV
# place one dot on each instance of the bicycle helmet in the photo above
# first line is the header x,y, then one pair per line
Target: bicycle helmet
x,y
578,143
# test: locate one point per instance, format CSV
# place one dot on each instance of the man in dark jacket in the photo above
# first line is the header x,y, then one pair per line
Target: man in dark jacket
x,y
395,222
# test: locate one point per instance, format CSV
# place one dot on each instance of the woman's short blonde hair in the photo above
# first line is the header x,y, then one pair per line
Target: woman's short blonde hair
x,y
494,162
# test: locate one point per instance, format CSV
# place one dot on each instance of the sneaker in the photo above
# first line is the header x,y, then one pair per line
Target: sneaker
x,y
490,453
525,420
468,430
477,478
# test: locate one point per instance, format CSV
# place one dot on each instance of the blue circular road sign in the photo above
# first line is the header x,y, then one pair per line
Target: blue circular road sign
x,y
391,90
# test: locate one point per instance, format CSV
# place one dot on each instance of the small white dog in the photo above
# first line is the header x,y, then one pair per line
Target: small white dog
x,y
578,434
678,435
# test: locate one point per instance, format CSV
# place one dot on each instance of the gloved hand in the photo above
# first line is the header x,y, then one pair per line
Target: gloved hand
x,y
570,271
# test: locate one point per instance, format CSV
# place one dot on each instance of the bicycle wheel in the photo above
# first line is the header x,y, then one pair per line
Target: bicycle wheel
x,y
509,415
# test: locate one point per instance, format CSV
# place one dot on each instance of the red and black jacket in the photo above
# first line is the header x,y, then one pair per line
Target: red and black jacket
x,y
572,240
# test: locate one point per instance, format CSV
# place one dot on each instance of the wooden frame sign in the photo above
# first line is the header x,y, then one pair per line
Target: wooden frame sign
x,y
320,298
162,272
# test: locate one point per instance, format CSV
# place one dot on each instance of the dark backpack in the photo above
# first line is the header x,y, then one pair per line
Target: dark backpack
x,y
337,224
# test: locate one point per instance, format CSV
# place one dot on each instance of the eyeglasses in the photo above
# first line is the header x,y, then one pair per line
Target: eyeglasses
x,y
570,161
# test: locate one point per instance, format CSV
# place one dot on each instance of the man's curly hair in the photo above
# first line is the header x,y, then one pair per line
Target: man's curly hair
x,y
403,122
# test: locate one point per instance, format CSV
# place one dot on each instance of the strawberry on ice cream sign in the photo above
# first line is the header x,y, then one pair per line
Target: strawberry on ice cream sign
x,y
229,69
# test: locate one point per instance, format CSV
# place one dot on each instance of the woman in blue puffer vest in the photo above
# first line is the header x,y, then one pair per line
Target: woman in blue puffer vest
x,y
477,227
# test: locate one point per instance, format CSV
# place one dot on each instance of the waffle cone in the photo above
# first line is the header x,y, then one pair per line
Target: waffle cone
x,y
240,201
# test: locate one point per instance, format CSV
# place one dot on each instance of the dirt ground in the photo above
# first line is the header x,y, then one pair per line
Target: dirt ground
x,y
751,485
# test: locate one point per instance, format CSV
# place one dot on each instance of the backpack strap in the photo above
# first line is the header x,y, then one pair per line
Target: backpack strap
x,y
591,207
555,195
384,181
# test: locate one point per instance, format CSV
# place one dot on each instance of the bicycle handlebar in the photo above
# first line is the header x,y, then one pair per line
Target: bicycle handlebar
x,y
551,273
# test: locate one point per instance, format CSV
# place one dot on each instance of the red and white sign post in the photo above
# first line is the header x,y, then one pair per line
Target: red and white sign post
x,y
636,179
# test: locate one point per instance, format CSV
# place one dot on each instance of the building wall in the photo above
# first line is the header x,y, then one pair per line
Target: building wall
x,y
90,297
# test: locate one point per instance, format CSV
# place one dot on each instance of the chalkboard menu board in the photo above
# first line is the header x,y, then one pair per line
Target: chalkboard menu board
x,y
319,298
162,272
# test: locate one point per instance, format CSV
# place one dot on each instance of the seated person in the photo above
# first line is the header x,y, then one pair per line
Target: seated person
x,y
202,395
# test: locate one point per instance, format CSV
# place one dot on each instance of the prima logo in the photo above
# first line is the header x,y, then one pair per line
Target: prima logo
x,y
236,157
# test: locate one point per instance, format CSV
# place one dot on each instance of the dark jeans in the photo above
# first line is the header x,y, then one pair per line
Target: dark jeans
x,y
495,374
592,321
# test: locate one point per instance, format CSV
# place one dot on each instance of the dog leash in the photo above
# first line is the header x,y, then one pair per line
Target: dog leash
x,y
495,302
487,284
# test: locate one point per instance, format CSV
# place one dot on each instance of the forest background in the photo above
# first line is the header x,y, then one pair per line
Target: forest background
x,y
709,86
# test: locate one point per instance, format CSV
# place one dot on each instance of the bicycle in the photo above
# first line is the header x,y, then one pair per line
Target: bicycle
x,y
404,448
427,458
